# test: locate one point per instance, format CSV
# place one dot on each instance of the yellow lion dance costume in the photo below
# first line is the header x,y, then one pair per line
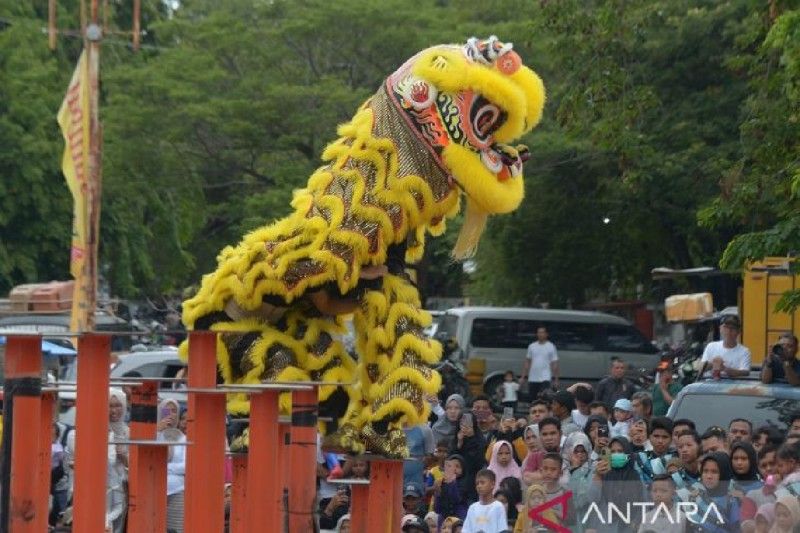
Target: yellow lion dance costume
x,y
436,128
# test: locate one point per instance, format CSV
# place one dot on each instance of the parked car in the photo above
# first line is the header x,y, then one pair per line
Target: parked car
x,y
586,341
711,403
153,362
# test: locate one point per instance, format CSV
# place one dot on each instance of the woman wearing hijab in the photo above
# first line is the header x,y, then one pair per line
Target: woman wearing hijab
x,y
576,451
446,427
765,517
615,481
469,443
168,417
502,463
597,436
535,496
745,469
715,479
118,468
787,514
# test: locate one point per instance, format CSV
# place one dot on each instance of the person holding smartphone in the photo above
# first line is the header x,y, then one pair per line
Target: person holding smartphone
x,y
470,444
333,508
509,431
782,365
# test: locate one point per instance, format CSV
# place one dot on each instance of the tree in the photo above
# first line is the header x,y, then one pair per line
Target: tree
x,y
761,190
642,119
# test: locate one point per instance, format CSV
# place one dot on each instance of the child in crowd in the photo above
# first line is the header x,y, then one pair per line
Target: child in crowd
x,y
599,408
512,487
552,470
715,478
432,521
435,470
664,517
510,388
486,515
765,516
502,463
787,514
623,414
453,492
769,475
745,469
788,467
535,496
451,524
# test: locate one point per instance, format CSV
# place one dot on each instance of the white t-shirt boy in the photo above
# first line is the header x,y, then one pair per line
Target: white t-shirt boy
x,y
510,389
485,518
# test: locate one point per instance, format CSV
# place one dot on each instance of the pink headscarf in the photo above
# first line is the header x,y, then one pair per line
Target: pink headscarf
x,y
767,510
502,472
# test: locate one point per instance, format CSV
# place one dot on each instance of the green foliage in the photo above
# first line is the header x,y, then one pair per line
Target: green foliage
x,y
645,89
760,191
35,206
660,113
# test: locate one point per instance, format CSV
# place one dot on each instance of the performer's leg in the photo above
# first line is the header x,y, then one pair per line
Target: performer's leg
x,y
395,373
299,348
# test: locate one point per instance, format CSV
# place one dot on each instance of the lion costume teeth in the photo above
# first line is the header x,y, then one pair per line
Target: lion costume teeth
x,y
434,129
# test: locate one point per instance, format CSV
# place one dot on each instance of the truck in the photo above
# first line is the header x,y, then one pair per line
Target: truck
x,y
765,282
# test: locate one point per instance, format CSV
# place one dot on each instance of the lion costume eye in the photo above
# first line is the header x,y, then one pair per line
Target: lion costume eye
x,y
486,118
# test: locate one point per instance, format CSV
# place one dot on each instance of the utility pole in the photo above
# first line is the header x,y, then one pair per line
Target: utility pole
x,y
93,30
92,38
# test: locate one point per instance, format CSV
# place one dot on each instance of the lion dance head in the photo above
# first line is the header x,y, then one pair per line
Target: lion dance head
x,y
467,104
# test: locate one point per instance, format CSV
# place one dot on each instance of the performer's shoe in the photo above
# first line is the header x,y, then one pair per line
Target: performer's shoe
x,y
391,445
345,439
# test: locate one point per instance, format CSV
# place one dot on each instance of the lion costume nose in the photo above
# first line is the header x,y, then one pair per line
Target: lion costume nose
x,y
508,63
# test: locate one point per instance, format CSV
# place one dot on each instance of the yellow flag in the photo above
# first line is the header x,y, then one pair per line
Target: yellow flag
x,y
73,117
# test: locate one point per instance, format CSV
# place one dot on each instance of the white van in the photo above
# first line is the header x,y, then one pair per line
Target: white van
x,y
586,341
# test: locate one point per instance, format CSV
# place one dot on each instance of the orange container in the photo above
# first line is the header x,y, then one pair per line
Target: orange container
x,y
21,296
683,307
53,296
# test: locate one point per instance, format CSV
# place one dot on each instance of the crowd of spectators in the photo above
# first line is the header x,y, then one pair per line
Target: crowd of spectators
x,y
594,459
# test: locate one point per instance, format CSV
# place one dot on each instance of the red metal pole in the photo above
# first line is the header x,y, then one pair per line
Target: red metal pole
x,y
284,446
204,507
238,518
24,376
263,462
359,507
91,433
303,458
385,496
45,453
147,471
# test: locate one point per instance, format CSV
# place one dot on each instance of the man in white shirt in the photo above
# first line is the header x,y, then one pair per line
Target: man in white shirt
x,y
541,365
727,358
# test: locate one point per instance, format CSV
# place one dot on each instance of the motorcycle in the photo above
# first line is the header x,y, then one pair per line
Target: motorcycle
x,y
452,371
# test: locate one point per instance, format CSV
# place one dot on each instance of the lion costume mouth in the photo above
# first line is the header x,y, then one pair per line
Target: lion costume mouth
x,y
467,104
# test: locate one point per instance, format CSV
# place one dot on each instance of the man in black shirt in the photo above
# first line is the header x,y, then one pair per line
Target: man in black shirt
x,y
615,386
782,365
